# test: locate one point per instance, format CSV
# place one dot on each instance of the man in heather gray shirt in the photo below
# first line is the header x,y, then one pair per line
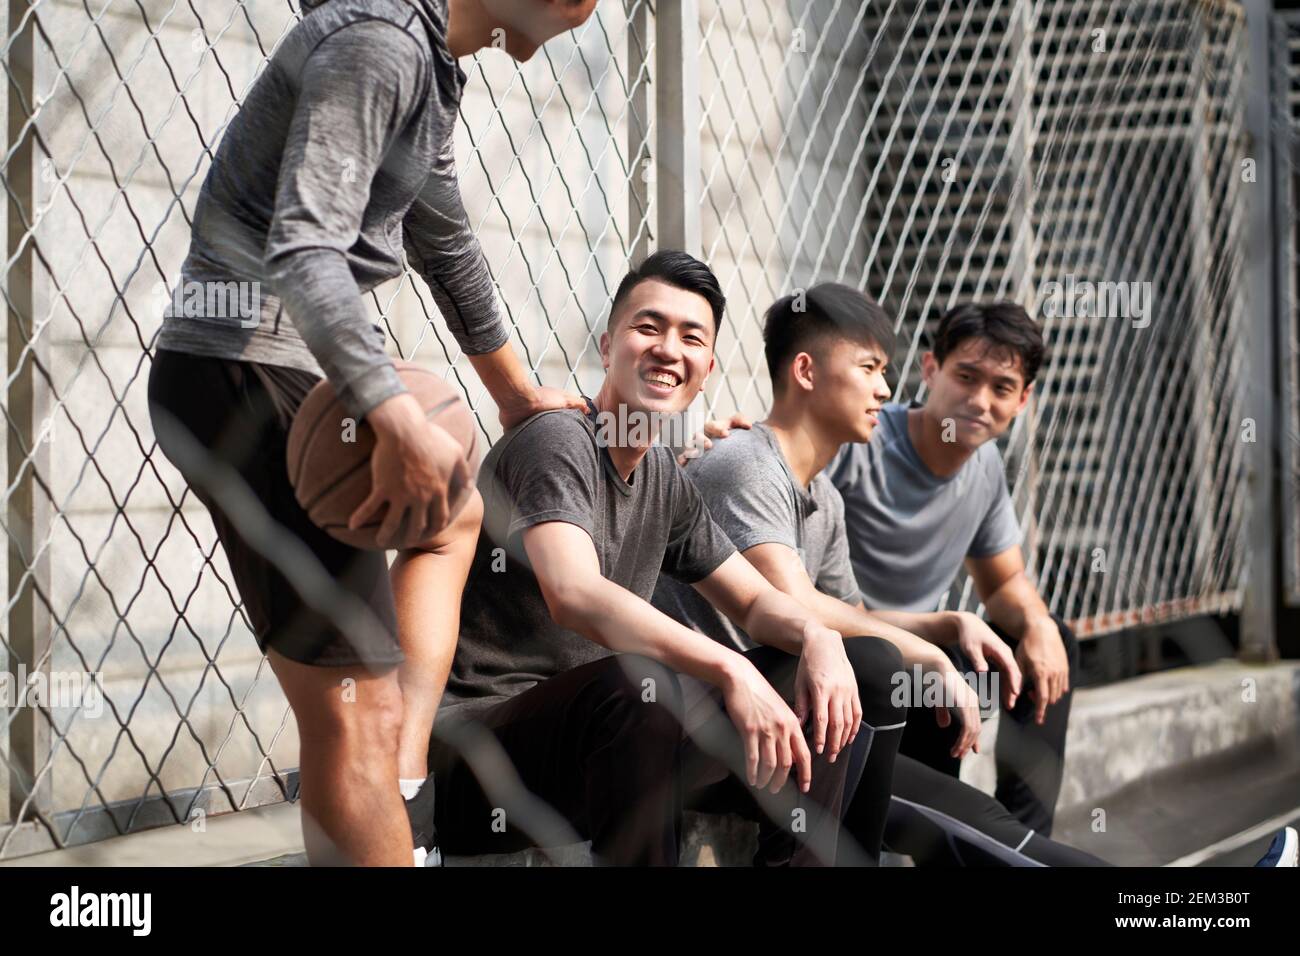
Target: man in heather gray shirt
x,y
752,494
340,157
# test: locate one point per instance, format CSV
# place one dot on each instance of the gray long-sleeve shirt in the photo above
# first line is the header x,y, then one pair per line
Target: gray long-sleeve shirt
x,y
340,155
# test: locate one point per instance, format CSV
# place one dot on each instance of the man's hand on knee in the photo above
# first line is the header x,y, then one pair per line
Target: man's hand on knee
x,y
1042,657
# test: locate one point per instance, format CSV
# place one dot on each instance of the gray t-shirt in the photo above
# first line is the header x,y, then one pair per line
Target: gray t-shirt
x,y
550,468
910,530
340,155
752,495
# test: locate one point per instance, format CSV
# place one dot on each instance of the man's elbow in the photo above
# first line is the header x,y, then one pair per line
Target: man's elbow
x,y
283,270
567,605
760,607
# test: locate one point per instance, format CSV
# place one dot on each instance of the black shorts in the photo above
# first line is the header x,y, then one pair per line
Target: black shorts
x,y
240,413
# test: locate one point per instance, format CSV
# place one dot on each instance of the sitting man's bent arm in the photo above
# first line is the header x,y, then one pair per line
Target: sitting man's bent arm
x,y
825,686
780,565
965,631
579,598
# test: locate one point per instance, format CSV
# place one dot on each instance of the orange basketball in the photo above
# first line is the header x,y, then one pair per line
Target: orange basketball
x,y
329,454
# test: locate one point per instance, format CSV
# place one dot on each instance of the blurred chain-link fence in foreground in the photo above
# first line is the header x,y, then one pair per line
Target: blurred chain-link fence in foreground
x,y
1083,158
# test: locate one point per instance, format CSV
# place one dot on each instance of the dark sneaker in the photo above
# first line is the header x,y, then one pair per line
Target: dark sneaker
x,y
1284,849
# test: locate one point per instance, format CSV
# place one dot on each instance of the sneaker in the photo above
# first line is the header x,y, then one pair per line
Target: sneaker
x,y
419,810
1284,850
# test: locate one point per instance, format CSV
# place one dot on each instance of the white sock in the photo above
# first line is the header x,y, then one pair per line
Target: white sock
x,y
420,854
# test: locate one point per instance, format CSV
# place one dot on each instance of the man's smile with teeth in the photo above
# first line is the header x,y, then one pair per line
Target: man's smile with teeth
x,y
663,378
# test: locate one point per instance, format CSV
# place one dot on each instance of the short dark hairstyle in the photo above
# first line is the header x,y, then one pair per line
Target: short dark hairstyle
x,y
1005,325
680,269
804,320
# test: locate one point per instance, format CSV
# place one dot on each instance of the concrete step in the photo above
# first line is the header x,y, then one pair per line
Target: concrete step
x,y
1176,760
707,840
1170,722
1219,811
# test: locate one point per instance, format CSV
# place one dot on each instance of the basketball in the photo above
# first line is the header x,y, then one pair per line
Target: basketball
x,y
328,454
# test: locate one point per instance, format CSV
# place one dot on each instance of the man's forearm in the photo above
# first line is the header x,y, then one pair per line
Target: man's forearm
x,y
616,618
914,649
1016,605
778,619
936,627
503,375
322,300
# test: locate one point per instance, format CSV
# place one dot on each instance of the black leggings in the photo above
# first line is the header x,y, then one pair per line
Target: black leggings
x,y
1030,757
940,821
611,767
931,816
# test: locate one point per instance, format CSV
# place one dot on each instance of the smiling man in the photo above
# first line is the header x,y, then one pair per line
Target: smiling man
x,y
929,491
568,686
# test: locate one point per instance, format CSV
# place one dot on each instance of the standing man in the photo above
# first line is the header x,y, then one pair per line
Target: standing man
x,y
340,155
929,491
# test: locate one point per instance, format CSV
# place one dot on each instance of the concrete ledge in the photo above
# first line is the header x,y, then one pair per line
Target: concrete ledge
x,y
1160,723
707,840
231,839
1119,734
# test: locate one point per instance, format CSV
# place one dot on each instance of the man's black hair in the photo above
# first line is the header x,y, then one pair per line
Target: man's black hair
x,y
804,320
678,269
1006,327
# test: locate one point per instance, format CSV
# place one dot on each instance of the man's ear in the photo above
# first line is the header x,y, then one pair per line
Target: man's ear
x,y
604,350
1025,394
929,368
801,370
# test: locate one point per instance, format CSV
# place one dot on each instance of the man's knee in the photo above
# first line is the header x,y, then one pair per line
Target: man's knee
x,y
363,721
461,533
645,692
638,699
876,664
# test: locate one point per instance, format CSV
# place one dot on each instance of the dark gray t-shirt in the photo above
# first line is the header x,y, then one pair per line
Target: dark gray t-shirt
x,y
340,155
753,496
550,468
910,530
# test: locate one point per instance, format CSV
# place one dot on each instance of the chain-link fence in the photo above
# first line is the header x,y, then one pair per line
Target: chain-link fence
x,y
924,150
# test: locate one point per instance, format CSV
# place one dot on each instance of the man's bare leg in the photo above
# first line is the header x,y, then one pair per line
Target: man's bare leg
x,y
352,813
427,587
